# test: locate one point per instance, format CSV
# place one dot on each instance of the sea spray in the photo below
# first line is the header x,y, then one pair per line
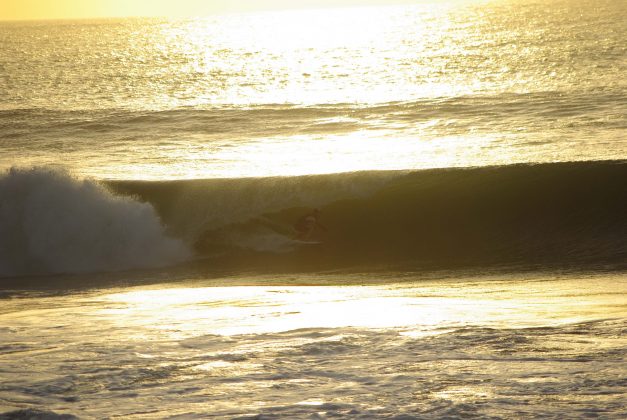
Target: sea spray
x,y
51,222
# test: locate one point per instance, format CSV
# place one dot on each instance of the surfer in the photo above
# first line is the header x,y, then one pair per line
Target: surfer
x,y
306,225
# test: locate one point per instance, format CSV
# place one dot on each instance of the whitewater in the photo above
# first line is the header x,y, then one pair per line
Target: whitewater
x,y
469,162
275,347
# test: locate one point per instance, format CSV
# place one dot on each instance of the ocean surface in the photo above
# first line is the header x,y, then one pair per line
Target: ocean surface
x,y
469,160
325,91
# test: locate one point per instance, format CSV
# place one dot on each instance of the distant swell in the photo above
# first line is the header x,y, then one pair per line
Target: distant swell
x,y
560,214
51,223
588,109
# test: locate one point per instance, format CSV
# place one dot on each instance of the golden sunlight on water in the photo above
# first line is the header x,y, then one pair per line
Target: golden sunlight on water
x,y
280,56
236,350
317,91
309,155
415,308
359,151
302,54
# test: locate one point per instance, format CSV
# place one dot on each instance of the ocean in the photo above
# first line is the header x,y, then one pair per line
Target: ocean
x,y
469,162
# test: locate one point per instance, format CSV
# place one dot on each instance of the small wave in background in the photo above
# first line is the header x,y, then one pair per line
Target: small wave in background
x,y
51,223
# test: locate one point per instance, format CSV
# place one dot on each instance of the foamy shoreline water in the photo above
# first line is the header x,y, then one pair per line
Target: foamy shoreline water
x,y
524,345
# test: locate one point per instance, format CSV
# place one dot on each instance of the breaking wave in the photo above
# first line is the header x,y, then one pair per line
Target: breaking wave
x,y
559,214
568,214
51,222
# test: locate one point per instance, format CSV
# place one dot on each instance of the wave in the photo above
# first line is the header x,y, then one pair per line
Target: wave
x,y
542,215
532,110
568,214
52,223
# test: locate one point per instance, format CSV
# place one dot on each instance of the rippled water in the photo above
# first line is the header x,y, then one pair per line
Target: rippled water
x,y
298,92
491,347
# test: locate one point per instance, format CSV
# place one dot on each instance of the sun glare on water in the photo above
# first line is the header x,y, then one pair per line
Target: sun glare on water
x,y
287,66
311,91
303,58
318,56
414,310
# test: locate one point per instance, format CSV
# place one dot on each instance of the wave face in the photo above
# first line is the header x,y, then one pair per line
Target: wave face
x,y
566,214
51,222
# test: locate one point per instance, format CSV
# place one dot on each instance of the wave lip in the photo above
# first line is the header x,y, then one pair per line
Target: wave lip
x,y
52,223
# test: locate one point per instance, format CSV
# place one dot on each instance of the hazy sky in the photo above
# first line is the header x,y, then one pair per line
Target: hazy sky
x,y
62,9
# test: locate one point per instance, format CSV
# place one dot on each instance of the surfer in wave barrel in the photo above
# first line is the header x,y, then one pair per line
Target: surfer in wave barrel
x,y
307,224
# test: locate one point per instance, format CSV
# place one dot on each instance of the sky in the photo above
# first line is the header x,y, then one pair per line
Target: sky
x,y
69,9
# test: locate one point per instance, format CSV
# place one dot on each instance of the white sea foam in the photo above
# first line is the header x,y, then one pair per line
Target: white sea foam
x,y
494,347
51,222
